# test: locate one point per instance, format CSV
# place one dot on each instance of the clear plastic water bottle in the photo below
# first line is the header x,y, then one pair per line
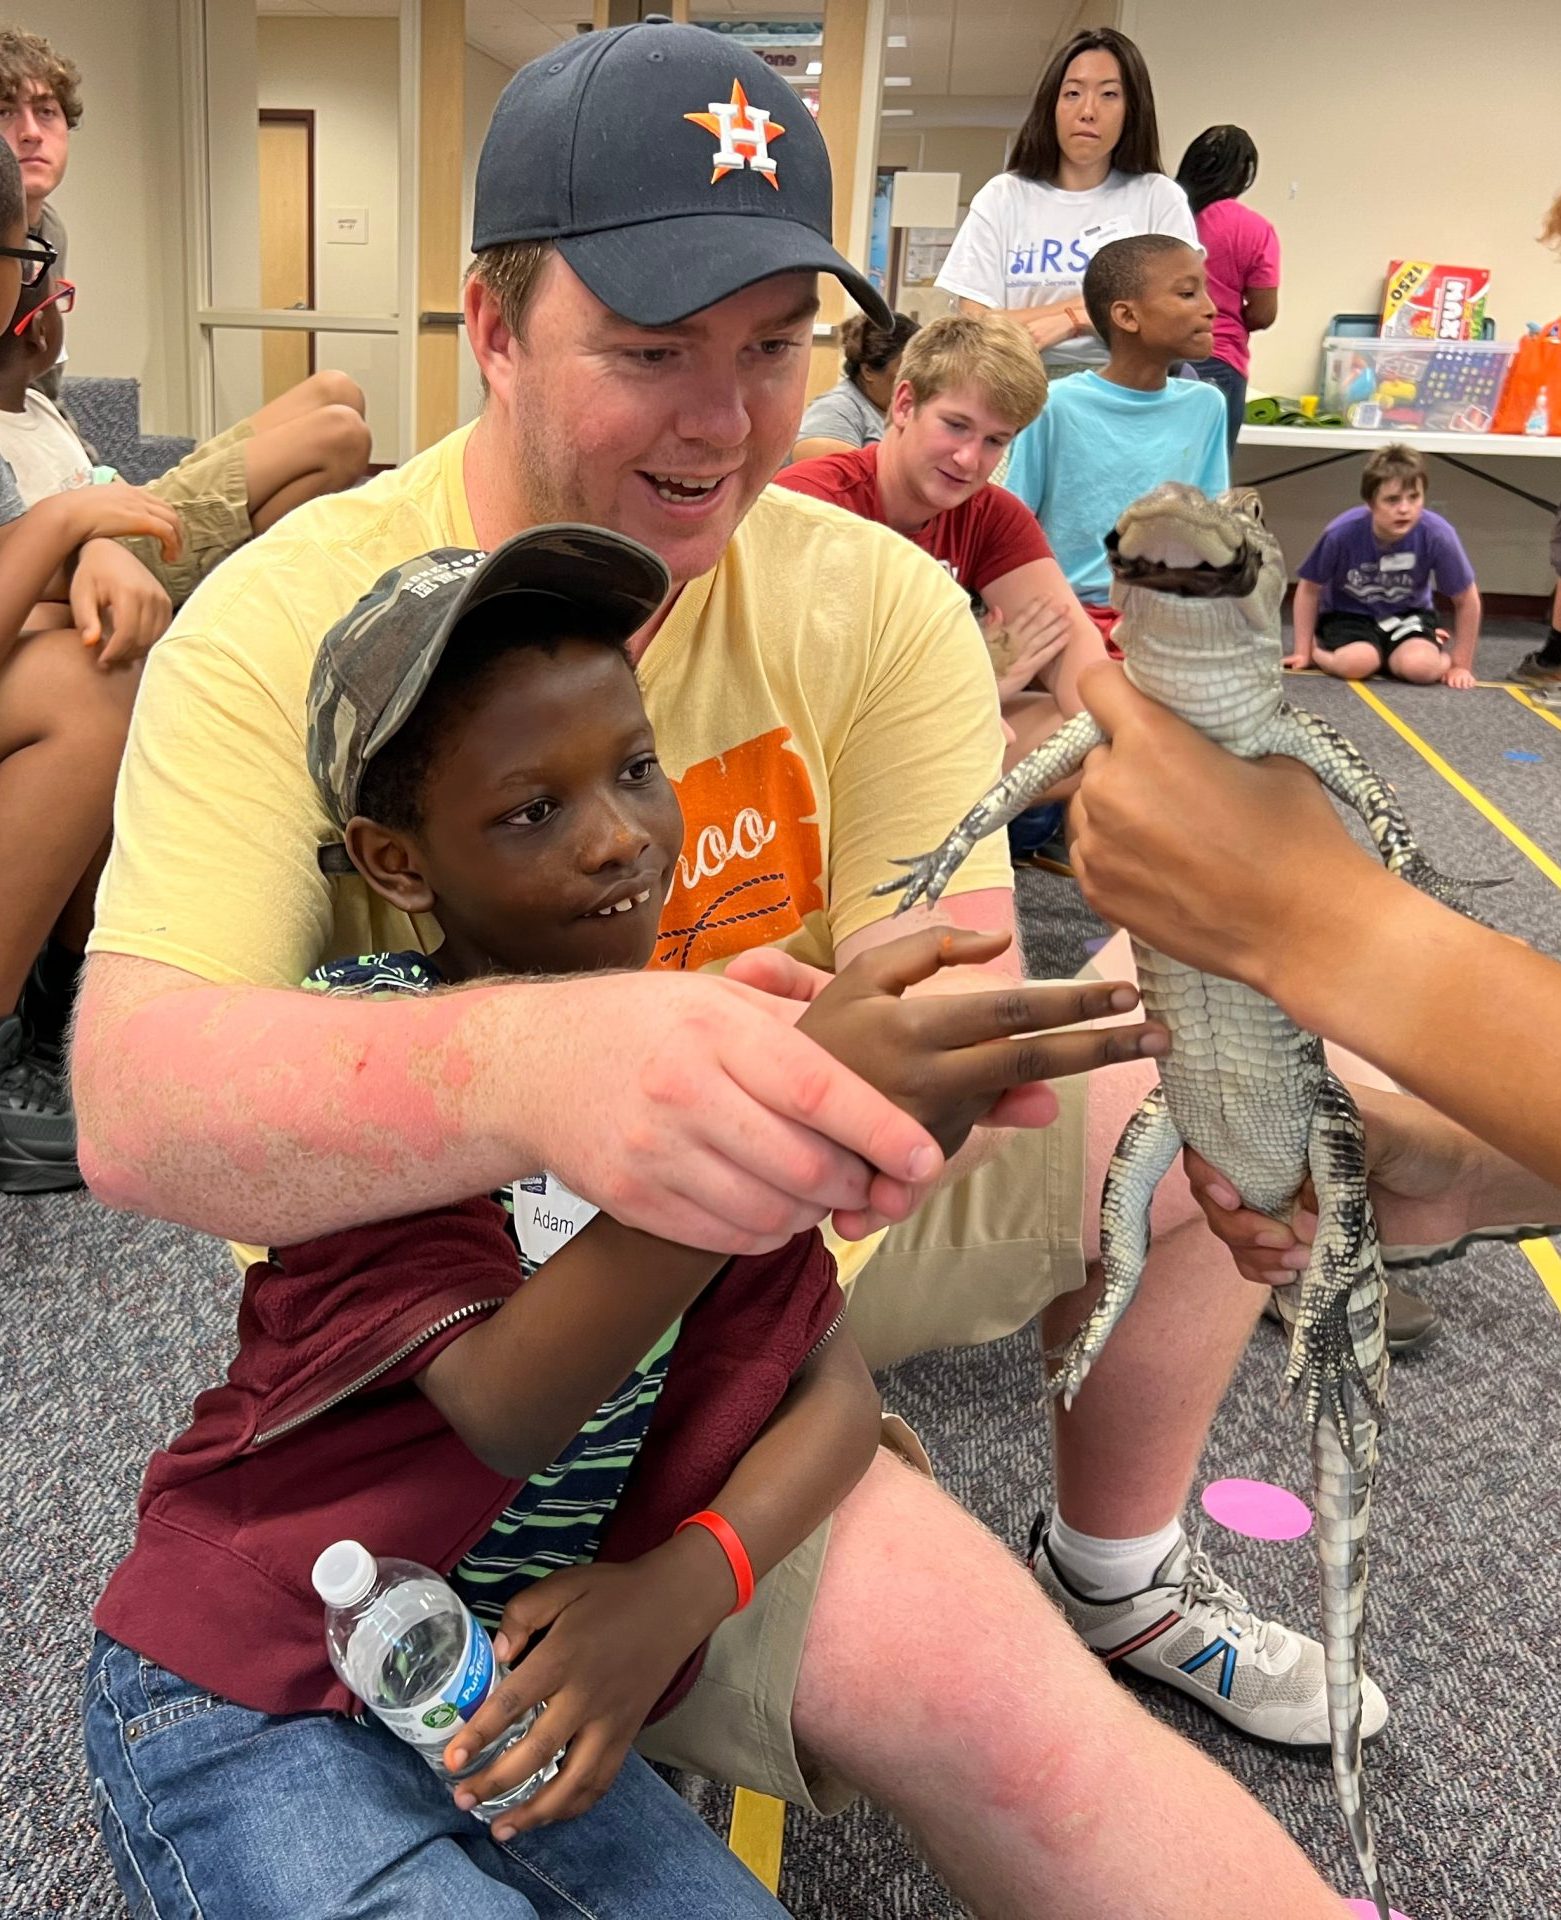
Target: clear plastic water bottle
x,y
407,1645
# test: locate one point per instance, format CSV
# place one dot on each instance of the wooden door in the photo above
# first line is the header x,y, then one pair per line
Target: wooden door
x,y
286,241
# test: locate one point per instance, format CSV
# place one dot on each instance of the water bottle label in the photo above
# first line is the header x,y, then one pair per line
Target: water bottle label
x,y
431,1722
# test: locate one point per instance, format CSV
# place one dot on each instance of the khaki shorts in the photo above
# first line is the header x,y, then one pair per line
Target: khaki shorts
x,y
209,492
979,1261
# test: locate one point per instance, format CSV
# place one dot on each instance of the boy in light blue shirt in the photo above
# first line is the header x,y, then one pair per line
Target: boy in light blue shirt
x,y
1104,439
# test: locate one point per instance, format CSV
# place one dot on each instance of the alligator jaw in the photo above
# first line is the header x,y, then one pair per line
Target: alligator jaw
x,y
1184,573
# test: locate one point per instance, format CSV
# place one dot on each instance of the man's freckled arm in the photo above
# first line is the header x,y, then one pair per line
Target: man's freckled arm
x,y
281,1115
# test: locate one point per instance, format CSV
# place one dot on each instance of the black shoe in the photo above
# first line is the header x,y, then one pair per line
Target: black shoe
x,y
1412,1322
48,998
1533,670
37,1126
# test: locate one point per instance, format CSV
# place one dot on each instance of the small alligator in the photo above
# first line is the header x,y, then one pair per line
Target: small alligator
x,y
1200,582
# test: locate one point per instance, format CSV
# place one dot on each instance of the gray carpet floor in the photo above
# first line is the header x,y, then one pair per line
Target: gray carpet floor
x,y
110,1326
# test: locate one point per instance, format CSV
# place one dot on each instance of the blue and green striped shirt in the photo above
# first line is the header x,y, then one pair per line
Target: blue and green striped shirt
x,y
558,1517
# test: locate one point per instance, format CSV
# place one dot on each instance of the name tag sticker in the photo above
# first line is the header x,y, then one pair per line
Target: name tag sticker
x,y
1396,563
547,1215
1092,239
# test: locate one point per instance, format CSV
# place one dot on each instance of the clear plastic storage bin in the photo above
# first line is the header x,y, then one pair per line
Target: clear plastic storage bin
x,y
1411,386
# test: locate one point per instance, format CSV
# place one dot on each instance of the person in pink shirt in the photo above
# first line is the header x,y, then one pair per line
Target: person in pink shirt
x,y
1241,263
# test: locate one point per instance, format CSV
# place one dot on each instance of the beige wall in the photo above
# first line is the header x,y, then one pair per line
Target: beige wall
x,y
1433,139
347,72
486,79
121,199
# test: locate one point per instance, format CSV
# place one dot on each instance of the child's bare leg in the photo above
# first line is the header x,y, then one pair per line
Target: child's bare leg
x,y
63,723
323,451
939,1678
328,388
1357,660
1420,661
75,922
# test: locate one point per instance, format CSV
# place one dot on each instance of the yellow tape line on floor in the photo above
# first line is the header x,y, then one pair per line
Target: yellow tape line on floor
x,y
1456,781
757,1831
1542,1256
1526,699
1546,1262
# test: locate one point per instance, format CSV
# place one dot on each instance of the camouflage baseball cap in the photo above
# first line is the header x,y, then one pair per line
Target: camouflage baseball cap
x,y
376,662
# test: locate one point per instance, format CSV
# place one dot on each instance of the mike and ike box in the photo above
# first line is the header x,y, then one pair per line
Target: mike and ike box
x,y
1424,300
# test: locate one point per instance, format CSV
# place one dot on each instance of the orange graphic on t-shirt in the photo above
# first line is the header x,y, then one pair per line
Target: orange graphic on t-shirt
x,y
752,863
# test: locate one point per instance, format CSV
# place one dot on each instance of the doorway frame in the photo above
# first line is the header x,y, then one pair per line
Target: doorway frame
x,y
206,320
302,117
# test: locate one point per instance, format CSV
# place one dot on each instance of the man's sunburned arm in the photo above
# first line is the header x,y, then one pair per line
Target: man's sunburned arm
x,y
682,1104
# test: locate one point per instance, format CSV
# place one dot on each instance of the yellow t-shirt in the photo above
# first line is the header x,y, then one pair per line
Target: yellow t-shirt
x,y
822,701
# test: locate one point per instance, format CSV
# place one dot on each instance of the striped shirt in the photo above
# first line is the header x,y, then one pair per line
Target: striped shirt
x,y
558,1517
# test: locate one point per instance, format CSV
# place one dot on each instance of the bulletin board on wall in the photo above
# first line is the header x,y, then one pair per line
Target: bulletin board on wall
x,y
921,261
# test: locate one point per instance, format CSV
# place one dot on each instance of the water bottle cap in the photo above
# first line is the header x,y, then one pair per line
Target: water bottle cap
x,y
344,1573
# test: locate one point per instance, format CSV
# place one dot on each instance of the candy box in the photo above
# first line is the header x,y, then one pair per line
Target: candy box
x,y
1425,301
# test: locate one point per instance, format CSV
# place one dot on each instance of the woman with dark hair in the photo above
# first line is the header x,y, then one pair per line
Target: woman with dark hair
x,y
1085,170
1241,263
853,412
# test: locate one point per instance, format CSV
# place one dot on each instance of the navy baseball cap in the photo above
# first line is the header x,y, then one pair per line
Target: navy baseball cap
x,y
671,167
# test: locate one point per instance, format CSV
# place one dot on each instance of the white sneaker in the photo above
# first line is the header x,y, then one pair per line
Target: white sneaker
x,y
1193,1630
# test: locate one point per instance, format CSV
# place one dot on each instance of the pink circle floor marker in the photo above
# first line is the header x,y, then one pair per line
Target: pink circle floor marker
x,y
1255,1508
1367,1911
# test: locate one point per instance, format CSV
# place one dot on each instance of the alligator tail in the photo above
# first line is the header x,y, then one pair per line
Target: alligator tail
x,y
1342,1489
1339,1358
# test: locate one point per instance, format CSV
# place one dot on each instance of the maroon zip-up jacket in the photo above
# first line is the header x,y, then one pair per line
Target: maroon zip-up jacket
x,y
320,1433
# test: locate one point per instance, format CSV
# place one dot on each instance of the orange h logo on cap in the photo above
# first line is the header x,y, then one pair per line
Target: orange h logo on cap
x,y
744,134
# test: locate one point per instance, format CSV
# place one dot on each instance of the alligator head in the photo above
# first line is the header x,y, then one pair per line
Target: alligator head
x,y
1200,582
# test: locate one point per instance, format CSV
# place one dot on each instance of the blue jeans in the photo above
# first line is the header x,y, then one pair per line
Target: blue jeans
x,y
213,1812
1220,373
1034,829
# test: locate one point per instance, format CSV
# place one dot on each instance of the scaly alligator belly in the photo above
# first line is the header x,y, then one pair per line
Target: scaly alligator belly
x,y
1240,1081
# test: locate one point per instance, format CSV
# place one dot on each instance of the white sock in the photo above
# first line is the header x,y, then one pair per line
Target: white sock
x,y
1110,1569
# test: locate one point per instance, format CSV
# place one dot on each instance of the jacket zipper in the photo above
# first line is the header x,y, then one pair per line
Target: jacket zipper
x,y
824,1338
384,1366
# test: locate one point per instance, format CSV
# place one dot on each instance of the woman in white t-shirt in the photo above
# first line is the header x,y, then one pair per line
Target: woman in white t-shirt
x,y
1084,170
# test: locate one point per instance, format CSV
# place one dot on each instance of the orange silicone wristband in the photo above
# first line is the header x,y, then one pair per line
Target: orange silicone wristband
x,y
736,1553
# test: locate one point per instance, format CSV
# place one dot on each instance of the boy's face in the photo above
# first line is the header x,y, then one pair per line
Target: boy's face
x,y
548,829
1173,311
11,271
947,448
32,123
45,332
1396,509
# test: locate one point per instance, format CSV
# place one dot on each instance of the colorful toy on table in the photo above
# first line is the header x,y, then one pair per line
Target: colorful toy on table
x,y
1437,389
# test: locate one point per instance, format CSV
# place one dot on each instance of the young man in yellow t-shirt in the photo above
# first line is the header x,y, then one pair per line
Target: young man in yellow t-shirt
x,y
652,208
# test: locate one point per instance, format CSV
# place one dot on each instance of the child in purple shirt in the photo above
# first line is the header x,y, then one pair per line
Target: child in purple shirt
x,y
1363,595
